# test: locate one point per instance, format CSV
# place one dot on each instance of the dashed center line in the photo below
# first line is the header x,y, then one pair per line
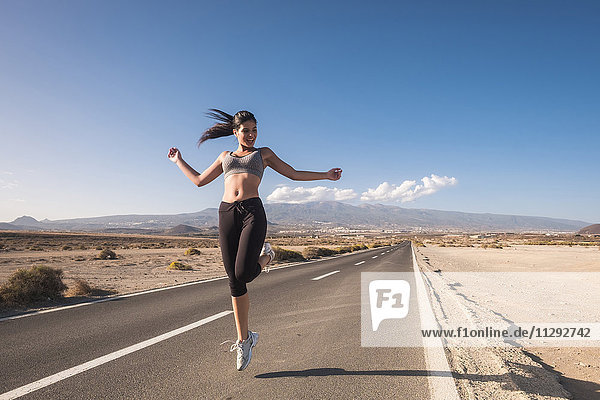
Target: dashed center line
x,y
374,256
358,263
324,276
23,390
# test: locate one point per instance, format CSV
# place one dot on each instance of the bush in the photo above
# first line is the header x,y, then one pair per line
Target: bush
x,y
287,255
192,252
107,254
67,247
316,252
491,246
176,265
27,286
310,252
357,247
80,288
344,249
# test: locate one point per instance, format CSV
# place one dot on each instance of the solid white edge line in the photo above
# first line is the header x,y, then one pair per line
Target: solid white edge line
x,y
23,390
324,276
442,385
358,263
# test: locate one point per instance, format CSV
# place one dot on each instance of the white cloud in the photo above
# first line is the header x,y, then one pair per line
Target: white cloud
x,y
286,194
407,190
5,184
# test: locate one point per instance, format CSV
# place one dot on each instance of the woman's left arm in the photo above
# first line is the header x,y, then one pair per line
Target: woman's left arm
x,y
288,171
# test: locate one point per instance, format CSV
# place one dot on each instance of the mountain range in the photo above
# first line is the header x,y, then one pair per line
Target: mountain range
x,y
314,216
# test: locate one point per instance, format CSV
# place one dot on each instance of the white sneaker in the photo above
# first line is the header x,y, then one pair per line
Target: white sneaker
x,y
244,350
268,250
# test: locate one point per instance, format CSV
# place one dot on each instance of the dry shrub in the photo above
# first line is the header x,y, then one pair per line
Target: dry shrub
x,y
491,246
192,252
28,286
343,249
287,255
80,288
357,247
107,254
176,265
316,252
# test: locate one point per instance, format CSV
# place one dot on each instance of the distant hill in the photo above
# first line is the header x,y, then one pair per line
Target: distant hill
x,y
5,226
378,216
182,230
590,230
26,220
311,216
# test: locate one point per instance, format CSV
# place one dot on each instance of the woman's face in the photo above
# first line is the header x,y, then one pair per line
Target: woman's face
x,y
246,133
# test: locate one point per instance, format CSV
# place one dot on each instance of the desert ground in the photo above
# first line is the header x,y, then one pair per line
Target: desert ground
x,y
577,368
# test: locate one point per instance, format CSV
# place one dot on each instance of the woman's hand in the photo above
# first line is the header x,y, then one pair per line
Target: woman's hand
x,y
174,154
334,174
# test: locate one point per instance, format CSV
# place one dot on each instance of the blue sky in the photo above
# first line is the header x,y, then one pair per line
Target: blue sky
x,y
495,103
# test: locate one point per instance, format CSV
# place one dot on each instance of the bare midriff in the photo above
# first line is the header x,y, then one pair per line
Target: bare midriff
x,y
240,187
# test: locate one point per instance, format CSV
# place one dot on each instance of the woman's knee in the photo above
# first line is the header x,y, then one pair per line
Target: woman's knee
x,y
237,288
246,274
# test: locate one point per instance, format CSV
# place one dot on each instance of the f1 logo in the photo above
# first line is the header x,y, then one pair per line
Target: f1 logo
x,y
388,299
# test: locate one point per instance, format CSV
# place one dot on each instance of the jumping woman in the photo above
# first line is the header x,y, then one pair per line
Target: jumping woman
x,y
242,219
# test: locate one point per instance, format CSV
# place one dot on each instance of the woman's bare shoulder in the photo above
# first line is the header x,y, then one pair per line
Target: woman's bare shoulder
x,y
266,151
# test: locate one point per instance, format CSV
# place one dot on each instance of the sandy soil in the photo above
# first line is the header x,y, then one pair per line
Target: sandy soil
x,y
134,269
577,369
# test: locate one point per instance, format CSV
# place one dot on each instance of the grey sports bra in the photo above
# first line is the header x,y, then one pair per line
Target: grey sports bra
x,y
251,163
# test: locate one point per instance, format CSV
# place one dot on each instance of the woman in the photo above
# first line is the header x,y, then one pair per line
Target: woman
x,y
242,219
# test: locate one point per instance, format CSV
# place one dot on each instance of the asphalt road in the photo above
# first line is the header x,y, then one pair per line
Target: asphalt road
x,y
309,344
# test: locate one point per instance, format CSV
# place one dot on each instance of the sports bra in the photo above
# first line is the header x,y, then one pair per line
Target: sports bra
x,y
251,163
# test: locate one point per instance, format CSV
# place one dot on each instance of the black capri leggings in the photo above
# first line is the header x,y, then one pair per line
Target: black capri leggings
x,y
242,232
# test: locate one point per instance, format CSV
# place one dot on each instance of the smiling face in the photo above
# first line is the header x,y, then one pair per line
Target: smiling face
x,y
246,133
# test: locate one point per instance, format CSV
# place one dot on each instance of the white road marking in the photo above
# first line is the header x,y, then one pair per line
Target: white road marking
x,y
383,253
23,390
374,257
441,384
358,263
321,277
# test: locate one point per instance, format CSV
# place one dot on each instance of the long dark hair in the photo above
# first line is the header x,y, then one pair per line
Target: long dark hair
x,y
226,126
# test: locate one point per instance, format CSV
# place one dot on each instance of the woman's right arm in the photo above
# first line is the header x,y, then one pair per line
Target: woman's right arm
x,y
206,177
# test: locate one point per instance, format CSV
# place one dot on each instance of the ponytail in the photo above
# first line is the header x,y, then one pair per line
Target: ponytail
x,y
226,126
